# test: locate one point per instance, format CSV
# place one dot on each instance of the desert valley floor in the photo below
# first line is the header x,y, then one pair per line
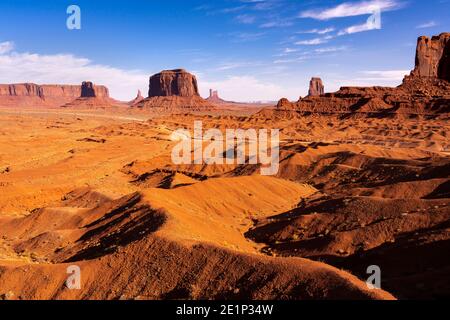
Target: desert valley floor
x,y
98,190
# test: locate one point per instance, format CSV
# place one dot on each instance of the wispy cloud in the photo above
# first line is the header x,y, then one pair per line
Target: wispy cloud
x,y
317,31
426,25
330,49
315,41
230,65
245,19
246,36
383,75
276,24
356,29
351,9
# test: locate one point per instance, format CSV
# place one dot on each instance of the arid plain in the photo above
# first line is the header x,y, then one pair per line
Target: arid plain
x,y
363,180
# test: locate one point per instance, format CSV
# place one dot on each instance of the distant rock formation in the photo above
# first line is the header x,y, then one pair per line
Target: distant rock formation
x,y
213,94
49,96
177,82
433,57
214,97
285,104
174,91
93,97
87,90
33,95
139,98
316,87
426,92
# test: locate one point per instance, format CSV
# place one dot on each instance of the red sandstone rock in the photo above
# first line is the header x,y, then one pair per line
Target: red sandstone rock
x,y
284,104
34,95
173,83
172,92
316,87
87,90
425,92
433,57
214,97
93,97
139,98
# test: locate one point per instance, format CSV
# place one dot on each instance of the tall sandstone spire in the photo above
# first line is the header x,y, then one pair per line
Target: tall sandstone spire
x,y
316,87
433,57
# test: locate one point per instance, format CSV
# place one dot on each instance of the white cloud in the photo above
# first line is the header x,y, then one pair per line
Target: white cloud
x,y
246,88
425,25
289,50
292,60
318,31
246,36
351,9
276,24
356,28
312,42
330,49
384,75
245,19
6,47
18,67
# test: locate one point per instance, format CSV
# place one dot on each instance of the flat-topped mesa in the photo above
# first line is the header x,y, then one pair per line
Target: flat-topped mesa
x,y
174,92
34,95
89,90
316,87
433,57
176,82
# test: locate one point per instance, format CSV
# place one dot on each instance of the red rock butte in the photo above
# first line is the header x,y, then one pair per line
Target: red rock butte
x,y
316,87
433,57
176,82
93,97
174,91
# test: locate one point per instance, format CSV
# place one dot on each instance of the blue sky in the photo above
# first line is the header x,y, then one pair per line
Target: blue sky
x,y
247,49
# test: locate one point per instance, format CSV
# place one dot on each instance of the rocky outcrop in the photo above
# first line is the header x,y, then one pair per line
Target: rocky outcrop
x,y
174,92
92,97
316,87
177,82
34,95
426,92
89,90
139,98
433,57
214,97
285,104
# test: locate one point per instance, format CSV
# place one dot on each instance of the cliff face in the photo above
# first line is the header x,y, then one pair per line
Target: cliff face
x,y
174,91
173,83
93,97
30,94
89,90
433,57
316,87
